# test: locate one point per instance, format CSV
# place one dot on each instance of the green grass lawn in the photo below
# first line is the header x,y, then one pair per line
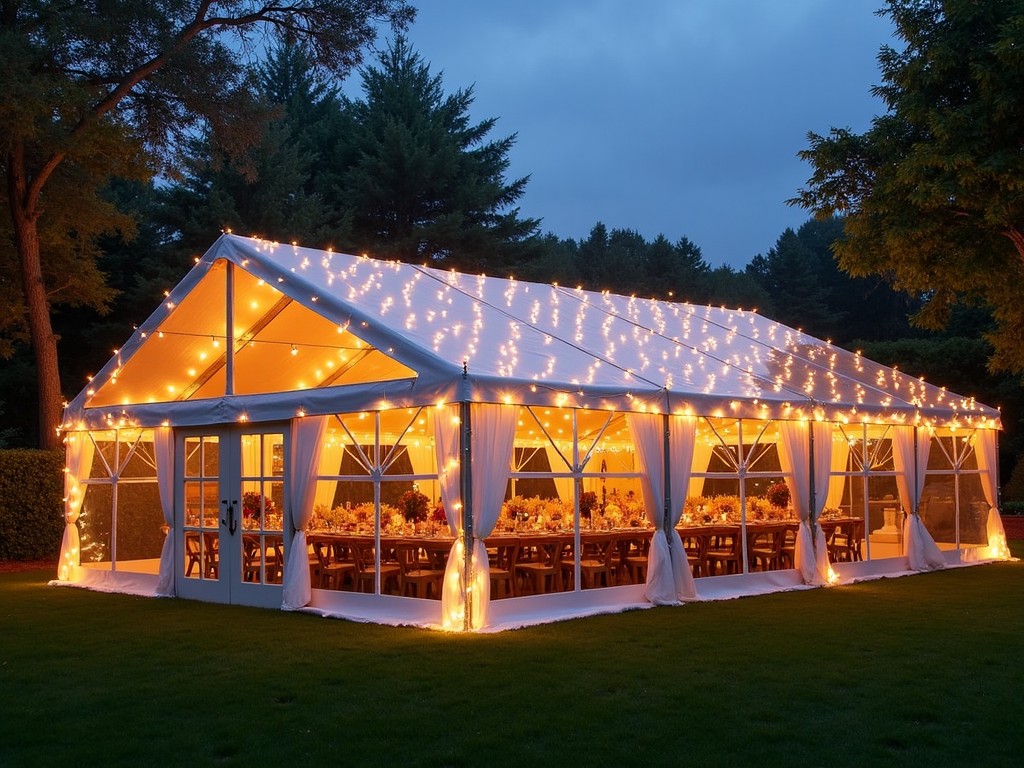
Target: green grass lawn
x,y
927,671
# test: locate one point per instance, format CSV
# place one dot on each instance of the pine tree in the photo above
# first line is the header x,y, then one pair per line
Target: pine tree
x,y
271,189
420,180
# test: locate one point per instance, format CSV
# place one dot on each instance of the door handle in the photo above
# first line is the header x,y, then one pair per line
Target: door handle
x,y
231,523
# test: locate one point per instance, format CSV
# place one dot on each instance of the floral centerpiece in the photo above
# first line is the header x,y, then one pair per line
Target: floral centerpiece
x,y
253,505
588,503
623,510
778,495
535,514
358,518
611,515
706,510
415,506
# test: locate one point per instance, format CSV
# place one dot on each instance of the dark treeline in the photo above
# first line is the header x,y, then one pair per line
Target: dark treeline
x,y
403,172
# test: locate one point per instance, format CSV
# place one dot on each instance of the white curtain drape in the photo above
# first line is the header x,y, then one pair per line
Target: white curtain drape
x,y
823,447
563,485
252,462
837,483
702,451
494,434
493,429
795,459
988,462
79,453
307,438
163,454
330,464
446,448
421,457
669,579
922,552
682,440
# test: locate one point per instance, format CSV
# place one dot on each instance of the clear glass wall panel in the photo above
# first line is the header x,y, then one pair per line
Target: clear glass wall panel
x,y
616,534
403,508
540,495
140,527
95,526
973,511
262,559
104,460
341,537
202,508
885,515
938,507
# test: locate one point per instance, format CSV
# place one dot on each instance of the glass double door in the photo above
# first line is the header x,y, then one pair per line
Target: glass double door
x,y
230,507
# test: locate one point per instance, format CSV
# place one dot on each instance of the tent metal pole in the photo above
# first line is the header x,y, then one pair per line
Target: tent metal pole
x,y
377,475
666,523
915,501
741,471
995,471
229,331
578,482
466,477
813,494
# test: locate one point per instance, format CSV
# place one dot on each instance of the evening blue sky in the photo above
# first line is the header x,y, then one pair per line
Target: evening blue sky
x,y
679,117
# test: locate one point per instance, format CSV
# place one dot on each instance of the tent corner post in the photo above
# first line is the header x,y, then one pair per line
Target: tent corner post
x,y
466,479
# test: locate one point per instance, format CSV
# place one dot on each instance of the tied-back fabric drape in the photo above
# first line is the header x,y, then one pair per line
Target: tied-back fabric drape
x,y
922,552
307,437
682,441
493,429
494,434
823,446
446,448
669,578
794,449
985,451
163,454
79,454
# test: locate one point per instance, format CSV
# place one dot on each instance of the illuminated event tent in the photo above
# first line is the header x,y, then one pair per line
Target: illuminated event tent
x,y
282,396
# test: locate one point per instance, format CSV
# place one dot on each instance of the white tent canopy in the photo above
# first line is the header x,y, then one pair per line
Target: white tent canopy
x,y
314,330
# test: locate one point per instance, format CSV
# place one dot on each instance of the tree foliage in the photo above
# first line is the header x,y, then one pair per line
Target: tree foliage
x,y
932,193
95,89
805,288
421,180
274,187
401,172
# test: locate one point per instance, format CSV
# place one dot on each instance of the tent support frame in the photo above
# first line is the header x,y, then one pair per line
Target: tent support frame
x,y
466,480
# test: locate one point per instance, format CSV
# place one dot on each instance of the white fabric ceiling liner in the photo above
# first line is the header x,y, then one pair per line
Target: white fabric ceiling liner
x,y
492,339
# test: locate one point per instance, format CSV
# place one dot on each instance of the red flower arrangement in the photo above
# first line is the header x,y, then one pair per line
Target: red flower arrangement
x,y
253,503
414,505
778,495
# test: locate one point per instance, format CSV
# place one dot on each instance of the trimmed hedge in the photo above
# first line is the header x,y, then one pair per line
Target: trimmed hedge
x,y
1013,508
31,504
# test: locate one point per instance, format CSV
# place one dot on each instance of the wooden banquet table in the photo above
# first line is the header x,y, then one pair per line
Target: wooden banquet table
x,y
520,562
716,549
535,562
844,537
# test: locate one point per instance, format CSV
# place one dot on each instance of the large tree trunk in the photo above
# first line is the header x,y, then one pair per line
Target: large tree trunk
x,y
25,217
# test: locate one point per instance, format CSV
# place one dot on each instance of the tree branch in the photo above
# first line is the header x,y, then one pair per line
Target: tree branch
x,y
1016,237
